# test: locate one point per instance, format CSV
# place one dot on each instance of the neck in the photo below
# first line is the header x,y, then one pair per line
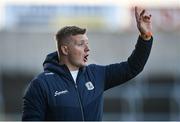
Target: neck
x,y
70,67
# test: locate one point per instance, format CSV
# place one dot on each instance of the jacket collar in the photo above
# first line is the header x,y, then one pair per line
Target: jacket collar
x,y
51,63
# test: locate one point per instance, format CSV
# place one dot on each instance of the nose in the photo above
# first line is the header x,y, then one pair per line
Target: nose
x,y
87,48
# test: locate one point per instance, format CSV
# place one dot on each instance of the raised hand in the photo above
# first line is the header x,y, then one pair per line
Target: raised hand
x,y
143,23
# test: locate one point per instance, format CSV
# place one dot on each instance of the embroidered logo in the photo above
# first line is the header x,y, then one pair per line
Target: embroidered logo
x,y
57,93
50,73
89,85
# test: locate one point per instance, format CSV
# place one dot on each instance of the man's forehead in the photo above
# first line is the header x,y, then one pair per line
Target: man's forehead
x,y
80,37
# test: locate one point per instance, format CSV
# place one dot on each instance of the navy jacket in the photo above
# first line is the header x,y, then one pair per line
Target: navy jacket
x,y
53,95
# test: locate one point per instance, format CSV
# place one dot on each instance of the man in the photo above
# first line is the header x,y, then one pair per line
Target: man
x,y
70,90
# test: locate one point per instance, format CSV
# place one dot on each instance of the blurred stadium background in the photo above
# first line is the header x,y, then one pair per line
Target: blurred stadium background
x,y
27,29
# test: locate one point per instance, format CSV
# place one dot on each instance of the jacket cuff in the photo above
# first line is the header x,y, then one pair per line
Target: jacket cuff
x,y
145,42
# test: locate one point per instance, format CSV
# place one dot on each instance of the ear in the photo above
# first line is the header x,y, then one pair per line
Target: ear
x,y
64,50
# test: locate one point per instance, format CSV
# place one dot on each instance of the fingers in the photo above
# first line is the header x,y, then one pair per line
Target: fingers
x,y
147,17
142,13
142,16
137,14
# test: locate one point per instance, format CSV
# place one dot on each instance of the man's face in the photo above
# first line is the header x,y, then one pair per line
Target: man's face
x,y
78,51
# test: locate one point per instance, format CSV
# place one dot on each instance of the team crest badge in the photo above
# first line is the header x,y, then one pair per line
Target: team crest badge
x,y
89,85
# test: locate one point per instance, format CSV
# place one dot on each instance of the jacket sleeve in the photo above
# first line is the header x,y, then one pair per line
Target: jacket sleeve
x,y
34,105
121,72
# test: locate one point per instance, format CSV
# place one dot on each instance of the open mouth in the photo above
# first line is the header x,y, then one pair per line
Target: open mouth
x,y
86,58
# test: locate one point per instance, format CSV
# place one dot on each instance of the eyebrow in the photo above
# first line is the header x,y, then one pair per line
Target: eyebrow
x,y
83,40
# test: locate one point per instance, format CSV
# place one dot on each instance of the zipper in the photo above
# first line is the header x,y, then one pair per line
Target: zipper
x,y
80,102
78,94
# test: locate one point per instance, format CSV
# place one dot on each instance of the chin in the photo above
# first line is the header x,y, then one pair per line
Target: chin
x,y
82,65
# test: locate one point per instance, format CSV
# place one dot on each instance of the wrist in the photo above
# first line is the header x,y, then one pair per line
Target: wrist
x,y
146,36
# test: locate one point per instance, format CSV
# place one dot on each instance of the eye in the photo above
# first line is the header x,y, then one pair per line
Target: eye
x,y
80,44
